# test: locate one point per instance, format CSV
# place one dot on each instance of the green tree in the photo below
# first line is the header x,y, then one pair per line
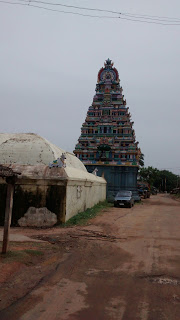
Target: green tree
x,y
164,180
149,175
168,180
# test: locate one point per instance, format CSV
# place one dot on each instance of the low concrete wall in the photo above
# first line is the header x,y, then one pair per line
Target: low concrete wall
x,y
81,195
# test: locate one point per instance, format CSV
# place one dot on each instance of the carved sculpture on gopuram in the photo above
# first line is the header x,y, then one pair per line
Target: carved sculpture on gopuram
x,y
107,138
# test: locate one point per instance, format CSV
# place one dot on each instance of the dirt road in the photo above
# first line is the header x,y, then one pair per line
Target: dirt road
x,y
125,265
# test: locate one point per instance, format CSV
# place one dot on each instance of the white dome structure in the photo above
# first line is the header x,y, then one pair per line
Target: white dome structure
x,y
64,191
32,149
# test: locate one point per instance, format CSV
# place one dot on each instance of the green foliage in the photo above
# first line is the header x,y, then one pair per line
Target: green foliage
x,y
164,180
34,252
24,256
149,175
177,196
82,217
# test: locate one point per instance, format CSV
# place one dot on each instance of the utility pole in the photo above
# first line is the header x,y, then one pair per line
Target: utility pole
x,y
8,215
178,179
11,177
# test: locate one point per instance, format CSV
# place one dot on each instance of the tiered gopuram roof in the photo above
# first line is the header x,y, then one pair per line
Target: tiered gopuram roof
x,y
107,135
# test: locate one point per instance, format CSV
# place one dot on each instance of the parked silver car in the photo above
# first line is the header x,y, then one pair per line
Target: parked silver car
x,y
124,198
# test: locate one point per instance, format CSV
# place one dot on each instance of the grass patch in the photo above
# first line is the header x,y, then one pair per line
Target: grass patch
x,y
23,256
34,252
13,256
83,217
140,202
177,195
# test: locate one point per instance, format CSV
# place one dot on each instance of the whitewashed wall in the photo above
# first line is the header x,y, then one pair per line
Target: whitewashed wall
x,y
84,193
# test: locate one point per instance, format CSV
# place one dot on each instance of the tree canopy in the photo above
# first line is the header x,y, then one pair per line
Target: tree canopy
x,y
163,180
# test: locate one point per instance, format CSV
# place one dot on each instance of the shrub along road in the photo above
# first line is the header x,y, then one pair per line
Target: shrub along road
x,y
123,265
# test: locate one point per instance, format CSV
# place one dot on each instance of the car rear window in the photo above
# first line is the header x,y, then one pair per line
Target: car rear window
x,y
124,194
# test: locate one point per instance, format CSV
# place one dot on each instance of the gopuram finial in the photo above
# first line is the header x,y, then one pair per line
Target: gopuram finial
x,y
108,63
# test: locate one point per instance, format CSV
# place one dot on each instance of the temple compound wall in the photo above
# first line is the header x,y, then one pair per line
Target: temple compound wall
x,y
65,190
84,193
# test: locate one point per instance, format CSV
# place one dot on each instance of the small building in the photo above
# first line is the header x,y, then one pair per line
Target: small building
x,y
64,190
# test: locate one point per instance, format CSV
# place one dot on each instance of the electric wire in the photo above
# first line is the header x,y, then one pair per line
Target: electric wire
x,y
55,10
70,6
170,168
139,16
128,18
151,22
108,11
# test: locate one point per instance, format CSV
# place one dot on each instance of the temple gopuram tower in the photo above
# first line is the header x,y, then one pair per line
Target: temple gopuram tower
x,y
107,140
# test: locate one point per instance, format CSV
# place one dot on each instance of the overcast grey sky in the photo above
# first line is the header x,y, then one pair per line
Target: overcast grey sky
x,y
49,63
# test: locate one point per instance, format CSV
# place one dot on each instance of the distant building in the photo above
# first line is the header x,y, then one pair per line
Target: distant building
x,y
107,140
